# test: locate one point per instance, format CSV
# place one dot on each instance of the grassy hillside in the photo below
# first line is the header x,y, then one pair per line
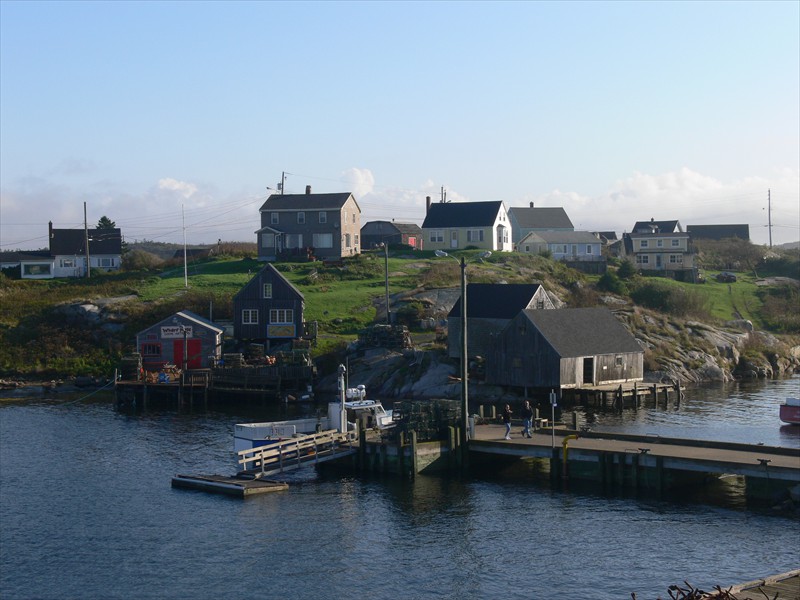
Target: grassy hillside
x,y
40,336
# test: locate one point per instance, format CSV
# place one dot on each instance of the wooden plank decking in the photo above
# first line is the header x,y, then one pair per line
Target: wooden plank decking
x,y
231,486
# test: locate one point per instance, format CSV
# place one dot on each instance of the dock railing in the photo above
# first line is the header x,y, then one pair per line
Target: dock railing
x,y
294,452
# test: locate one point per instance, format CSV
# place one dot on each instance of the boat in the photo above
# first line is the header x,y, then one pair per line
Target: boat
x,y
790,411
352,411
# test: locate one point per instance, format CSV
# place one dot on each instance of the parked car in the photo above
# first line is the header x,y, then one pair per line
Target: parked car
x,y
726,277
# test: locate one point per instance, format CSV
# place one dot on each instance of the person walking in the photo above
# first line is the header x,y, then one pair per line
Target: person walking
x,y
507,420
527,419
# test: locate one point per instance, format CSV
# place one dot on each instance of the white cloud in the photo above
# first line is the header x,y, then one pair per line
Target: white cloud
x,y
187,190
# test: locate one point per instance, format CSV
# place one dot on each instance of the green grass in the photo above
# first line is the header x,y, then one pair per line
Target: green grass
x,y
728,301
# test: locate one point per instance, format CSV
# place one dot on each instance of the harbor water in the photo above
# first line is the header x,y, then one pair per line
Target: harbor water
x,y
87,511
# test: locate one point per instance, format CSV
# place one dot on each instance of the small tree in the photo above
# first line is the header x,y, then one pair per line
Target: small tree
x,y
106,223
626,270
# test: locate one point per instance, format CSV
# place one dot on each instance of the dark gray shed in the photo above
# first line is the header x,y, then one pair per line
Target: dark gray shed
x,y
185,340
565,348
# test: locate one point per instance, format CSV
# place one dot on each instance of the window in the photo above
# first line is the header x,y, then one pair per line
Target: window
x,y
437,235
588,248
301,218
267,240
617,358
323,216
281,315
474,235
354,218
346,240
267,290
36,269
273,218
641,259
527,249
539,305
660,243
151,349
250,316
105,262
67,263
675,259
322,240
676,243
355,239
643,243
294,240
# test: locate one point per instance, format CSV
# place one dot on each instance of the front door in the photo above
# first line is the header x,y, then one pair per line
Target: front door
x,y
588,370
658,261
454,239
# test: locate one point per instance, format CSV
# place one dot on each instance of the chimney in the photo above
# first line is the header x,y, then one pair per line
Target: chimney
x,y
427,204
308,189
531,204
50,230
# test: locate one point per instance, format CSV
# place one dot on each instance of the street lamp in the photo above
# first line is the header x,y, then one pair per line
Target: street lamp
x,y
464,353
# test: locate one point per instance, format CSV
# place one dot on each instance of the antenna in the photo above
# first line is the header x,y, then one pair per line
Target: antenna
x,y
444,195
769,216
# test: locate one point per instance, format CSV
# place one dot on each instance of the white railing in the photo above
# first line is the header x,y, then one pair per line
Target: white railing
x,y
292,452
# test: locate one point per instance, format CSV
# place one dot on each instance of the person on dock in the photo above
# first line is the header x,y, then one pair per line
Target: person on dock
x,y
507,420
527,418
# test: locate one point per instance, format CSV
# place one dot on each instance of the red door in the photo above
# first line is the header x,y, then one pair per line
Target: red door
x,y
194,349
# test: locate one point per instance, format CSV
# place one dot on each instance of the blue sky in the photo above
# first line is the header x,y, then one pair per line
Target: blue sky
x,y
616,111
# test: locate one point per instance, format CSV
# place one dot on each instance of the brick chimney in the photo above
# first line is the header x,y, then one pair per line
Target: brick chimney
x,y
531,204
308,189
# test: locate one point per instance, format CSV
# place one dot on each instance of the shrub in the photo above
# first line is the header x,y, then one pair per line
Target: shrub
x,y
609,282
626,270
141,260
671,300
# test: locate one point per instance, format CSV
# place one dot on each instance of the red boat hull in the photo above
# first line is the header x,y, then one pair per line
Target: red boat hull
x,y
790,414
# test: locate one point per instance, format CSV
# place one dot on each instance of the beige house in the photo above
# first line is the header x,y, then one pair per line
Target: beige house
x,y
659,246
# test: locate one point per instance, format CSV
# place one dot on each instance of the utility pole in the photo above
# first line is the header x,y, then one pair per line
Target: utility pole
x,y
185,267
86,240
769,216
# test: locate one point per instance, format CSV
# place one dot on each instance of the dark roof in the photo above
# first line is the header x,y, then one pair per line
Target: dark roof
x,y
275,274
534,217
718,232
407,228
660,226
71,241
495,300
564,237
606,235
188,316
583,331
305,201
462,214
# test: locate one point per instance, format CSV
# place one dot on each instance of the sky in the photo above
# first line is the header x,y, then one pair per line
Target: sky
x,y
178,119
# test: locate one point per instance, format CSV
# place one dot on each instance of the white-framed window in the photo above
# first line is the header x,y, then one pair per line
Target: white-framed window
x,y
660,243
250,316
105,262
354,218
267,240
346,240
588,248
301,218
474,235
675,259
36,269
643,243
355,239
323,216
273,218
322,240
437,235
281,315
675,244
67,263
267,290
155,349
641,259
294,240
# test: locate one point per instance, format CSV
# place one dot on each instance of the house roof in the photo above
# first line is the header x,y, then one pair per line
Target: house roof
x,y
462,214
718,232
495,300
188,316
608,236
657,226
71,241
408,228
306,201
535,217
563,237
275,274
576,332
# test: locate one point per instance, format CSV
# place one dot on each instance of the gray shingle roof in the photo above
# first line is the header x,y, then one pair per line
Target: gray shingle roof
x,y
583,331
305,201
462,214
71,241
662,226
565,237
541,217
495,300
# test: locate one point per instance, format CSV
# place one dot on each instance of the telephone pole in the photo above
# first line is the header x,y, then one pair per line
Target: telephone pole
x,y
769,216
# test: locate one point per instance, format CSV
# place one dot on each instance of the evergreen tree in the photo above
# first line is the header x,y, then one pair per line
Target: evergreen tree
x,y
106,223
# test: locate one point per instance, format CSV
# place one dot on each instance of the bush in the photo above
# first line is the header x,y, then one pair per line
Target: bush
x,y
141,260
671,300
610,282
626,270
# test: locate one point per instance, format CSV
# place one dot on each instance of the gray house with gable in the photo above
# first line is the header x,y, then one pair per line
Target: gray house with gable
x,y
525,220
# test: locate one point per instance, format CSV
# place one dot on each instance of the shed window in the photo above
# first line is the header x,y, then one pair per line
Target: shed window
x,y
281,315
151,349
250,316
267,290
618,360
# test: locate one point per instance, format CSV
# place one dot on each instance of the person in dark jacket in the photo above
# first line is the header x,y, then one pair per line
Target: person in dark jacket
x,y
527,418
507,420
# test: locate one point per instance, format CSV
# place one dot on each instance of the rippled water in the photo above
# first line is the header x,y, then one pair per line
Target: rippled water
x,y
87,511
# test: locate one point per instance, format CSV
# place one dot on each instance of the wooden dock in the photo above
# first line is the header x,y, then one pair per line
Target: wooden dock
x,y
229,485
785,586
646,462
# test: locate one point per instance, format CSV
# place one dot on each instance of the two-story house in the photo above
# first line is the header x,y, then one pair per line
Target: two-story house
x,y
68,257
459,225
268,310
659,246
528,219
375,233
325,226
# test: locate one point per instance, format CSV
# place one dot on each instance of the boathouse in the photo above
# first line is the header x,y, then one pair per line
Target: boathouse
x,y
490,307
564,348
269,310
185,340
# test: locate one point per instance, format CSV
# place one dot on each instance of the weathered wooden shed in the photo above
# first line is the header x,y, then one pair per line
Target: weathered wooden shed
x,y
490,307
565,348
185,340
268,309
